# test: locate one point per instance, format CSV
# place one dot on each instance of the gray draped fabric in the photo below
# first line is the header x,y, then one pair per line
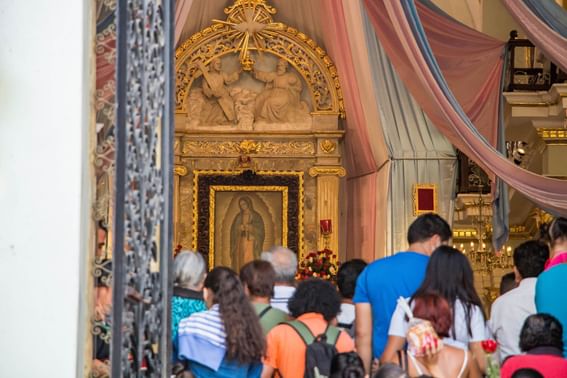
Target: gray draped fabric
x,y
418,152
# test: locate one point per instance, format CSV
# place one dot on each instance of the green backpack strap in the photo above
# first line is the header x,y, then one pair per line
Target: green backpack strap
x,y
302,330
331,333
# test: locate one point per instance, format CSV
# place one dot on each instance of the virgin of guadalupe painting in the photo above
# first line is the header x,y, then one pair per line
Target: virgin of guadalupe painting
x,y
246,233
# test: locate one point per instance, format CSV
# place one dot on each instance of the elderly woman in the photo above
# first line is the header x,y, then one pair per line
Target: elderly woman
x,y
190,270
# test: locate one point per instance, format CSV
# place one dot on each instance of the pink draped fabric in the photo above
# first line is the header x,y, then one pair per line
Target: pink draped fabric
x,y
182,8
471,63
395,33
361,162
553,45
359,155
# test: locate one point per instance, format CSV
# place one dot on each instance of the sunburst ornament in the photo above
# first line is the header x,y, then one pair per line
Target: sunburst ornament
x,y
250,23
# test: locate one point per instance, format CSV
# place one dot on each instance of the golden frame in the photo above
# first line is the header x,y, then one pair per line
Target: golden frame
x,y
417,209
270,180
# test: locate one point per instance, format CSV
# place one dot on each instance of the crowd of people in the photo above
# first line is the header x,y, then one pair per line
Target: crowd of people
x,y
415,313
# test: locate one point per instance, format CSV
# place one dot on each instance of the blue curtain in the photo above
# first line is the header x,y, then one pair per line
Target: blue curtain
x,y
551,13
501,202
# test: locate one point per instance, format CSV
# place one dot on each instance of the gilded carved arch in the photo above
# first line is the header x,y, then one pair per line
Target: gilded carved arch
x,y
249,27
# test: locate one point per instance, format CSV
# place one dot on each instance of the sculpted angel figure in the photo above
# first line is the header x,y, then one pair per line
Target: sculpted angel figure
x,y
280,101
215,88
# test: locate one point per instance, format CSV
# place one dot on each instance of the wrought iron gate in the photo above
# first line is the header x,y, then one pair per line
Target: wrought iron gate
x,y
142,213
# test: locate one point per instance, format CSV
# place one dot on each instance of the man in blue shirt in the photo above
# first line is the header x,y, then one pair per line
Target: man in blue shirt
x,y
383,281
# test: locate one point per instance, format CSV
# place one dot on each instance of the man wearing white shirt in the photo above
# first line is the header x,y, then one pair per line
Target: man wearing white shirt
x,y
511,309
284,261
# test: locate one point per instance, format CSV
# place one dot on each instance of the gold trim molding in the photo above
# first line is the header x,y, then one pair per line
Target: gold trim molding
x,y
329,171
552,135
180,170
249,27
417,210
220,148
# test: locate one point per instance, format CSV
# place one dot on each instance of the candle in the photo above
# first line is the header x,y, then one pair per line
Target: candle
x,y
326,226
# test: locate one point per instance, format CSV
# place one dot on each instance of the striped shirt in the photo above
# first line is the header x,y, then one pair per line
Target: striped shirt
x,y
207,325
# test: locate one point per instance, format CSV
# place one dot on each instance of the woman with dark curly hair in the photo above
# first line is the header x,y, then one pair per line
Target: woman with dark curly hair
x,y
226,340
541,340
315,304
449,275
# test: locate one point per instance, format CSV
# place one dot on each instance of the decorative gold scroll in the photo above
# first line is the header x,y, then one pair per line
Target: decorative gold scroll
x,y
219,148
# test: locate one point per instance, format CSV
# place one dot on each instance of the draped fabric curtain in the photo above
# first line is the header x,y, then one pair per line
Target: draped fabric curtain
x,y
419,152
399,29
182,8
365,188
551,13
552,42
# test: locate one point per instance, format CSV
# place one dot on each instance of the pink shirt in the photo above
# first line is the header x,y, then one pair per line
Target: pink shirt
x,y
560,258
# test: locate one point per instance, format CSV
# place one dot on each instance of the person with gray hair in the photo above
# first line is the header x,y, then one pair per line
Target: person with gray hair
x,y
189,271
284,261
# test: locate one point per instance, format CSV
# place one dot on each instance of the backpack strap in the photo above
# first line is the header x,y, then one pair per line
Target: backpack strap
x,y
302,330
331,333
264,312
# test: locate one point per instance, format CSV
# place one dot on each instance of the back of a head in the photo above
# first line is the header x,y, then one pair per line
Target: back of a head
x,y
347,275
347,365
427,225
244,336
284,261
530,258
390,370
259,277
507,282
436,309
527,373
558,231
189,269
315,295
449,274
541,330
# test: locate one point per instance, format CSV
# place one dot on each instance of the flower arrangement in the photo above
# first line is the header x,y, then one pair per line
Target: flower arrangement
x,y
489,346
318,264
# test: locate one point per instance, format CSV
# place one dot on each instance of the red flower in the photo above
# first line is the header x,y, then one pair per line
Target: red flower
x,y
489,345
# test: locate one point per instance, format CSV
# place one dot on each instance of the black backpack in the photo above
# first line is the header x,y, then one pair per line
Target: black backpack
x,y
320,350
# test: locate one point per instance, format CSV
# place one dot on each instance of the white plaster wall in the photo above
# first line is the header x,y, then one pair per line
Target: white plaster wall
x,y
43,123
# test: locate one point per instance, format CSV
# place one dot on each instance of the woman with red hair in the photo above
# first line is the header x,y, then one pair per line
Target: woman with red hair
x,y
448,361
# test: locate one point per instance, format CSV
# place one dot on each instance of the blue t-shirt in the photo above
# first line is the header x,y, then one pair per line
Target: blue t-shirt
x,y
382,283
551,296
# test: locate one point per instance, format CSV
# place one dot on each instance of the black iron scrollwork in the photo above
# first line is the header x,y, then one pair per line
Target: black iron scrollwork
x,y
144,143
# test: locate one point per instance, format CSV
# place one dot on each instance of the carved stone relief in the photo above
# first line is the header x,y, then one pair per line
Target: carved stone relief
x,y
272,96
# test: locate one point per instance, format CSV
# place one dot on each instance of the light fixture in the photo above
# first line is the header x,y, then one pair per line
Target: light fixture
x,y
516,150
